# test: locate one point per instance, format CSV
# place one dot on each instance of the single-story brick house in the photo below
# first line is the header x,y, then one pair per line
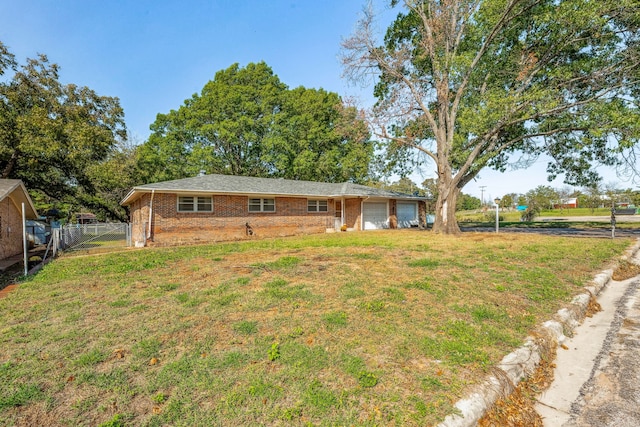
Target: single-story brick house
x,y
12,195
226,207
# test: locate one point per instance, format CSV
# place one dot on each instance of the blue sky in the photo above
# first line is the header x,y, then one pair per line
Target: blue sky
x,y
153,55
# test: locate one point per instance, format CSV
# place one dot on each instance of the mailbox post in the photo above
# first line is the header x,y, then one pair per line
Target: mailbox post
x,y
613,223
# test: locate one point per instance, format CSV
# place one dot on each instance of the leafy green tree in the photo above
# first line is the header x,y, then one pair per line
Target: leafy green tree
x,y
7,59
473,84
530,213
247,122
542,197
219,130
51,133
633,196
317,138
430,186
467,202
613,195
407,186
508,200
113,178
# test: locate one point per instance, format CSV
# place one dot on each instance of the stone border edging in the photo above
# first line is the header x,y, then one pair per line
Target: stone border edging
x,y
521,362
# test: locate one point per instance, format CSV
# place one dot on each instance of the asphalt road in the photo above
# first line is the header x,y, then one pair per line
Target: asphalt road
x,y
568,231
619,218
572,231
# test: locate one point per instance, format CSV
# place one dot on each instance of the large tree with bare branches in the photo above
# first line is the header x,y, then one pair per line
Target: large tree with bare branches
x,y
473,84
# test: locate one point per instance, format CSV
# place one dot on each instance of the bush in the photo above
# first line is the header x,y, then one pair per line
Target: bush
x,y
491,217
530,213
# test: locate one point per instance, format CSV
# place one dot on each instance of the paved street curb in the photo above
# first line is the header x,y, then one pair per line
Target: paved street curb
x,y
517,365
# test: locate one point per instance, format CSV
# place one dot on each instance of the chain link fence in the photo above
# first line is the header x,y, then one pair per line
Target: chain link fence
x,y
74,237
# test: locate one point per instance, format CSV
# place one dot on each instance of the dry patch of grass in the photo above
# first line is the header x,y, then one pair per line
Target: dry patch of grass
x,y
385,328
518,409
626,270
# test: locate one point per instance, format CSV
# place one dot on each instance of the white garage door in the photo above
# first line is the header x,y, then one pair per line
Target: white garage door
x,y
407,214
375,215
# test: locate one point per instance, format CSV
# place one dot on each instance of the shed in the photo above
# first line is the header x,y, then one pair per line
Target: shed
x,y
13,194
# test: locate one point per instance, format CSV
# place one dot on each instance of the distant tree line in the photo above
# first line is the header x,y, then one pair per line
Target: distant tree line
x,y
543,197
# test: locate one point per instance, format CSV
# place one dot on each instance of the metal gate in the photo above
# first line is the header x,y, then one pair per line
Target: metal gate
x,y
107,235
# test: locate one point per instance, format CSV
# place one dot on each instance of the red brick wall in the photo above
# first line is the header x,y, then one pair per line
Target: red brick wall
x,y
230,216
422,214
139,217
352,213
227,221
393,215
10,229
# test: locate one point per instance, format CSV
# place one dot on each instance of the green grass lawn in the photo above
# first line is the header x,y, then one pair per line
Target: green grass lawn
x,y
576,212
512,219
375,328
514,216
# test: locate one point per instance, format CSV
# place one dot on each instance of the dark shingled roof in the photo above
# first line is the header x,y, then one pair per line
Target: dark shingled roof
x,y
229,184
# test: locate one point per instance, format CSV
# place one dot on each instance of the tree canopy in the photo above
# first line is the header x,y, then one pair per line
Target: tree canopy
x,y
247,122
52,134
543,197
473,84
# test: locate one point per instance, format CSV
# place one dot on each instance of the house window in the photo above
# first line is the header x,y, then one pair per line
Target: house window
x,y
195,204
317,206
262,205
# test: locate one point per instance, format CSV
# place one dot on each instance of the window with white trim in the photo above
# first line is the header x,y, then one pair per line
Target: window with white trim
x,y
195,204
317,206
262,205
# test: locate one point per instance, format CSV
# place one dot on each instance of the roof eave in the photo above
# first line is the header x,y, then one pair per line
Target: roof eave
x,y
30,211
138,191
128,199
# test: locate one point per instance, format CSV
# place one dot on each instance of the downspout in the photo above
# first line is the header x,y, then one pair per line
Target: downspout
x,y
153,192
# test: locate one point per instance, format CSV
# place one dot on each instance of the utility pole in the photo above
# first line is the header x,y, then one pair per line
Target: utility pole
x,y
482,187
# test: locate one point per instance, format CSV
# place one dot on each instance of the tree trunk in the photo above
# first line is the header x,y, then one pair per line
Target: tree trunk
x,y
445,221
8,169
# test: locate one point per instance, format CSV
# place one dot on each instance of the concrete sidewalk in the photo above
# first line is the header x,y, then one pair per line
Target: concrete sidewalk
x,y
597,374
